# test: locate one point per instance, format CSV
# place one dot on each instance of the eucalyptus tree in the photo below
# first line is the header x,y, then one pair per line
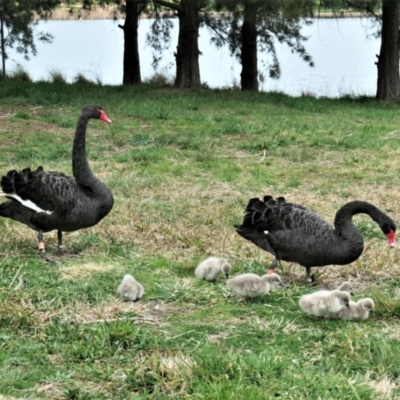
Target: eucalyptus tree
x,y
158,37
190,14
133,9
387,14
131,64
249,27
18,22
388,85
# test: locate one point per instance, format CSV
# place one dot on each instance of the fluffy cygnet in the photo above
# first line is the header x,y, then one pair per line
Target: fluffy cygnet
x,y
130,289
251,285
324,302
360,310
346,287
210,268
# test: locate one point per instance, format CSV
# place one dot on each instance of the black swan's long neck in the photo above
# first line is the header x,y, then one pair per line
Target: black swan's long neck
x,y
344,226
80,166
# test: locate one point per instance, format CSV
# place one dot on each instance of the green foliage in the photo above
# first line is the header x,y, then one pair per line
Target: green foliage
x,y
57,76
81,79
271,20
19,75
160,79
19,21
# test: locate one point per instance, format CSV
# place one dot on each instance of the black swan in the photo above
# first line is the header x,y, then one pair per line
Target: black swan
x,y
294,233
47,201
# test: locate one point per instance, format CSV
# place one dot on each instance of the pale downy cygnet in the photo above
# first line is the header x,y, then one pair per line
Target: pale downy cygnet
x,y
251,285
210,268
324,302
346,287
360,310
130,289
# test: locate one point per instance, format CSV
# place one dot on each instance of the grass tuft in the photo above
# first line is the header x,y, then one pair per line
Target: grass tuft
x,y
57,76
19,74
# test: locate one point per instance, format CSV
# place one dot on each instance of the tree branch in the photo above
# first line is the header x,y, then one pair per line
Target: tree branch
x,y
174,6
361,8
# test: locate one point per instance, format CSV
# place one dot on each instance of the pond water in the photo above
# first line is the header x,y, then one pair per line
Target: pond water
x,y
343,50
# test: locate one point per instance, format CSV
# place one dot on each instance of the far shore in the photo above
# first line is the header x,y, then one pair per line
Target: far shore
x,y
112,13
98,13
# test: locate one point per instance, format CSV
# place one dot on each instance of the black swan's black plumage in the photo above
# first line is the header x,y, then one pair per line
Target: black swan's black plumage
x,y
294,233
47,201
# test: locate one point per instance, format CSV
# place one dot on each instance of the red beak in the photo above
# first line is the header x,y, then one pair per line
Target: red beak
x,y
391,238
104,117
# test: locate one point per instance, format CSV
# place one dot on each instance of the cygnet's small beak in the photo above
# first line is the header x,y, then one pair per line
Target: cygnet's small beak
x,y
227,276
348,305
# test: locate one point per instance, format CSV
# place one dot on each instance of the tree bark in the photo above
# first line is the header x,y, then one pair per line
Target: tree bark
x,y
388,87
187,53
249,74
131,67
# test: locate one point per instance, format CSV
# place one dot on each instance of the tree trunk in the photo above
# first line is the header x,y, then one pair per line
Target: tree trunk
x,y
249,74
388,87
131,47
187,54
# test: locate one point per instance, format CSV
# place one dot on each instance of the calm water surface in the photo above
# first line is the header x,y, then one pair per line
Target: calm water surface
x,y
344,57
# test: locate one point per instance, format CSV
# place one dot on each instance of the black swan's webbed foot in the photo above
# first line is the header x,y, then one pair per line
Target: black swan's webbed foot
x,y
61,249
44,255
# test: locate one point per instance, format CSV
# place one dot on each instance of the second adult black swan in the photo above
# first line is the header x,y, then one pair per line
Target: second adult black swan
x,y
47,201
294,233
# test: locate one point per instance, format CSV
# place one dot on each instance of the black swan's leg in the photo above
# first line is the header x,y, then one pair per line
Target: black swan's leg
x,y
42,250
61,247
309,277
273,266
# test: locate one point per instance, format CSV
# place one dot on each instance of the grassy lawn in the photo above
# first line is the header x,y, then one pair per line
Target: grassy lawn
x,y
182,166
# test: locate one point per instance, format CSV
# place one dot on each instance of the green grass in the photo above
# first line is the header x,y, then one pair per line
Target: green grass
x,y
182,166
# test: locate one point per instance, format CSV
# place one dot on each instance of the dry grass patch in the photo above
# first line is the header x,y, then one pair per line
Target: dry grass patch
x,y
50,390
84,270
31,126
161,221
275,324
217,337
175,369
391,330
84,313
384,387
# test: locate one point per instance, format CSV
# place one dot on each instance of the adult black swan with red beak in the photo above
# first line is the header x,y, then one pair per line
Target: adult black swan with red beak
x,y
47,201
294,233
